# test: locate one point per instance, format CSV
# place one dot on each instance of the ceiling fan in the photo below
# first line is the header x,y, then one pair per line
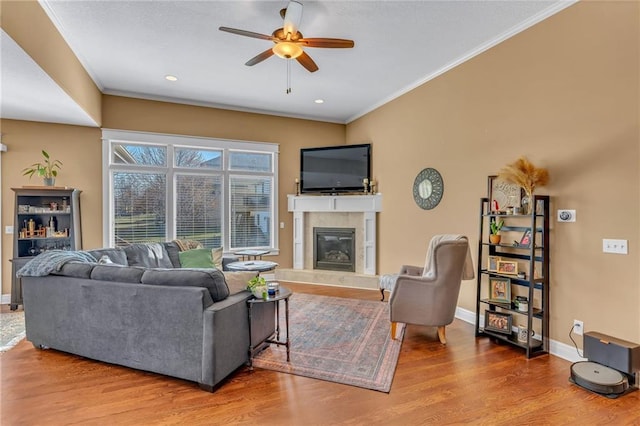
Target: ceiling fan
x,y
289,42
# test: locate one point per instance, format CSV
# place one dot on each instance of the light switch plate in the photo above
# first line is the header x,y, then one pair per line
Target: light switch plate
x,y
8,229
615,246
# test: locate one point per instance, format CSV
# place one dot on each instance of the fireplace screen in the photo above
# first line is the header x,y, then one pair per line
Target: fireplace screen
x,y
334,249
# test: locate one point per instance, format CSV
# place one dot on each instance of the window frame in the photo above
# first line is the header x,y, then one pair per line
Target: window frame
x,y
171,142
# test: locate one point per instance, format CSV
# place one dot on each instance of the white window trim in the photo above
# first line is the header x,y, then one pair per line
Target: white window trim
x,y
113,135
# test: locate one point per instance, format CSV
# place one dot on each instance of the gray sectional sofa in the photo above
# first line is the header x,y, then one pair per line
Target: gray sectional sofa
x,y
185,323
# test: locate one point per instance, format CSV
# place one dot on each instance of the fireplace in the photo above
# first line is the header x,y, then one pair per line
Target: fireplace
x,y
334,249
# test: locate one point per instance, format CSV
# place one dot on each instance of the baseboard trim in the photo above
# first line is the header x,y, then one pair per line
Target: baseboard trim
x,y
559,349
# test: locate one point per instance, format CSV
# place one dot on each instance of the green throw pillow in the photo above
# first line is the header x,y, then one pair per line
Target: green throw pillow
x,y
201,258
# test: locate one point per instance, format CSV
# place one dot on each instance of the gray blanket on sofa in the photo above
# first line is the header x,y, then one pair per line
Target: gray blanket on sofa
x,y
49,261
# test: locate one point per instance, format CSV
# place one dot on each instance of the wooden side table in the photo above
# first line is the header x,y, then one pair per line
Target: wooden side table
x,y
283,294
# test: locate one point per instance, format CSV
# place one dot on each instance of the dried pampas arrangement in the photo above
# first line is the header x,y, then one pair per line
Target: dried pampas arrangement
x,y
523,173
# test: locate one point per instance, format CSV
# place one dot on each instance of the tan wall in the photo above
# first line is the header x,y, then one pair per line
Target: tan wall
x,y
81,151
564,93
291,134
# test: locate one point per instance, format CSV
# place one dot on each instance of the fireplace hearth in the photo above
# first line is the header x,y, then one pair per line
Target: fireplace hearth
x,y
334,249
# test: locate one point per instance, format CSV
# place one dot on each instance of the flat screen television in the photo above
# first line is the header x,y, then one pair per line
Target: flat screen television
x,y
334,169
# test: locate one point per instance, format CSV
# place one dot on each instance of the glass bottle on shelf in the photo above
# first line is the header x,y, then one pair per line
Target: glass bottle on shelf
x,y
32,249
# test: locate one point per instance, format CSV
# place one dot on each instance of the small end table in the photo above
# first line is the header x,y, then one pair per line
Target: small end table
x,y
283,294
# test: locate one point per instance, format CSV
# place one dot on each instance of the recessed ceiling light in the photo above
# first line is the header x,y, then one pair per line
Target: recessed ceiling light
x,y
171,77
319,101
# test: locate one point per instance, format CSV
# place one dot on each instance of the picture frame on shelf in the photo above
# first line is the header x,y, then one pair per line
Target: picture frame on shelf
x,y
507,267
498,322
492,263
500,290
525,240
502,194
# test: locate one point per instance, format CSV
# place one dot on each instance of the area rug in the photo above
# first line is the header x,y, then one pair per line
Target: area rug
x,y
339,340
11,329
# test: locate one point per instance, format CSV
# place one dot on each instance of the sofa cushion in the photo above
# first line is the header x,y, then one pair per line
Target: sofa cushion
x,y
237,281
75,270
201,258
184,245
174,253
118,273
115,255
149,255
212,279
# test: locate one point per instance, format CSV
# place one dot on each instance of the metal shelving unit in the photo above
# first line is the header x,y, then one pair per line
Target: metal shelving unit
x,y
535,285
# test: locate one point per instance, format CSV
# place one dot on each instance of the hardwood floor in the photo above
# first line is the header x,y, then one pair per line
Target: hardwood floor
x,y
466,381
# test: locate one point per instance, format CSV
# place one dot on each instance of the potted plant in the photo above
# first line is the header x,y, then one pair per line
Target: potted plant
x,y
46,169
258,286
496,226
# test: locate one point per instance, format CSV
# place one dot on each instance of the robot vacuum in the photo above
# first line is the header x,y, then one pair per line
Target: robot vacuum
x,y
599,379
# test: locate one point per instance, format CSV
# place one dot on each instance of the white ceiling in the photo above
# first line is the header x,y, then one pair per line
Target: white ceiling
x,y
128,46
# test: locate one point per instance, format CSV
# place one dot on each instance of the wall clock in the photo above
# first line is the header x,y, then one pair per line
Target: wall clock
x,y
428,188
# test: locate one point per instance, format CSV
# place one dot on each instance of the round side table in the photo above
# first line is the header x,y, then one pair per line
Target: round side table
x,y
282,294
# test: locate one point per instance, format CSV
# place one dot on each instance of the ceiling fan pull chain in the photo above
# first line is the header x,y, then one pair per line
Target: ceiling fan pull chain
x,y
288,76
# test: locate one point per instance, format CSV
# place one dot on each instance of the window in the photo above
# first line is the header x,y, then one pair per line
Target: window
x,y
161,187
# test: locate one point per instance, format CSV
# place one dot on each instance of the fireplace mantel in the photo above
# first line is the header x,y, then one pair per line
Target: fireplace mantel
x,y
368,205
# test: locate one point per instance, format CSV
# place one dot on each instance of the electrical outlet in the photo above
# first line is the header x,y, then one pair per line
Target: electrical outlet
x,y
578,327
615,246
8,229
566,215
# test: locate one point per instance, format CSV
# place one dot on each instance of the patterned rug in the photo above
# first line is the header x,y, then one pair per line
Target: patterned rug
x,y
339,340
11,329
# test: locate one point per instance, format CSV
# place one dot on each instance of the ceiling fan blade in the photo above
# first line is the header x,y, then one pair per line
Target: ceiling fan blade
x,y
259,58
246,33
326,42
306,61
292,17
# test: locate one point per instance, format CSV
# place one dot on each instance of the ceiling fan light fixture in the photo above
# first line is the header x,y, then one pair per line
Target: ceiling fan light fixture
x,y
287,50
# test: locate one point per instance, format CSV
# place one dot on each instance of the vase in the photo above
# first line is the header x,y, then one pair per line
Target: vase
x,y
494,238
527,203
259,292
49,181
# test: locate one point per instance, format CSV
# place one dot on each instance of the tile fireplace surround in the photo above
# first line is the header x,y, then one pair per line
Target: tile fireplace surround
x,y
352,211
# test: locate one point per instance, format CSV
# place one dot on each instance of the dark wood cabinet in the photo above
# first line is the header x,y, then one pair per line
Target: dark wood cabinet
x,y
45,219
496,269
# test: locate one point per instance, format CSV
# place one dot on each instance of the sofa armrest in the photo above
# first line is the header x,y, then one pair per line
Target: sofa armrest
x,y
225,343
226,335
